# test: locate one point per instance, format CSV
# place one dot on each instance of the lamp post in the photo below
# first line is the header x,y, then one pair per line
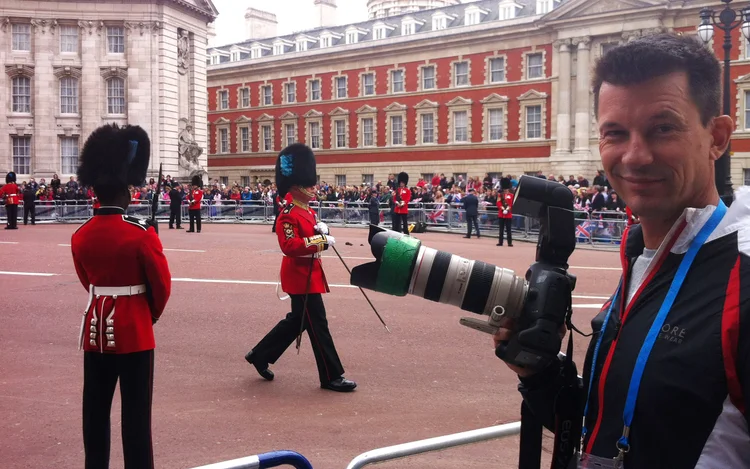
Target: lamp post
x,y
727,20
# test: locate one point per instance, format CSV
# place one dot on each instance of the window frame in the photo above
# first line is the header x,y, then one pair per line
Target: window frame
x,y
21,103
71,165
76,97
109,44
110,98
15,37
28,157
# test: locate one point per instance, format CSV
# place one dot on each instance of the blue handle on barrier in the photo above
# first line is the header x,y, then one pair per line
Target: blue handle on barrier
x,y
277,458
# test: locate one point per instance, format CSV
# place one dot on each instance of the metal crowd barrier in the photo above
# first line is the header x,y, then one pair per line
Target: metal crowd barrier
x,y
434,444
263,461
595,228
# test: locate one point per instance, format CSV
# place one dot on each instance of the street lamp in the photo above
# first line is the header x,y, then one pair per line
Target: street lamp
x,y
727,20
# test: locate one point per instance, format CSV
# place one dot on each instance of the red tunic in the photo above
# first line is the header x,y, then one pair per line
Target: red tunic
x,y
508,199
115,250
299,242
10,191
402,206
195,202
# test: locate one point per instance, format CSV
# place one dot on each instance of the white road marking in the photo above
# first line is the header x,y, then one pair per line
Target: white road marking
x,y
31,274
588,306
359,258
242,282
595,268
8,242
64,245
588,297
185,250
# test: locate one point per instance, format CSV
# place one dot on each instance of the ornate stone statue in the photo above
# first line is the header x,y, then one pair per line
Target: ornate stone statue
x,y
183,52
190,151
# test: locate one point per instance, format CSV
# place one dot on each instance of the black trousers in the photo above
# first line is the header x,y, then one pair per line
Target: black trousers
x,y
273,345
374,218
195,219
100,374
400,222
175,215
469,220
505,225
29,209
12,212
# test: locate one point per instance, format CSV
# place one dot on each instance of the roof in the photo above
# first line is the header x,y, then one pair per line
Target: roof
x,y
203,7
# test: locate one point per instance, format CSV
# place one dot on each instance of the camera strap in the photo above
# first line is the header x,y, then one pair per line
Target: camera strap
x,y
567,408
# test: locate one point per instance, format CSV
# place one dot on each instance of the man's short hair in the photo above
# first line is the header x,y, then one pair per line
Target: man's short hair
x,y
657,55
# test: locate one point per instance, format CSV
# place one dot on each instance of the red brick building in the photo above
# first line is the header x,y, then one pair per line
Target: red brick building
x,y
493,86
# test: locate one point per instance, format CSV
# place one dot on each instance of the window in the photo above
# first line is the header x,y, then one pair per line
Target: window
x,y
68,96
440,22
224,99
461,72
245,181
367,132
340,180
223,140
397,81
534,67
224,180
21,38
245,97
461,126
325,41
115,39
428,77
352,37
116,96
368,179
747,109
22,155
368,84
497,70
315,90
301,45
291,92
472,18
255,53
397,130
267,95
21,94
245,139
235,56
68,39
314,135
278,49
215,59
69,154
746,174
407,29
340,133
507,12
608,46
291,133
533,121
341,87
496,124
381,32
428,128
267,139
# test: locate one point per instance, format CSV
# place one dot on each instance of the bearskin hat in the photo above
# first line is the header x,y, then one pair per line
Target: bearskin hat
x,y
505,183
295,166
10,177
197,181
114,158
403,177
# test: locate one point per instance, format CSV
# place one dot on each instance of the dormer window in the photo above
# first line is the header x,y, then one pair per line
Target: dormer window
x,y
474,14
440,20
409,25
508,9
381,30
278,48
327,39
301,45
544,6
257,49
353,33
302,42
215,59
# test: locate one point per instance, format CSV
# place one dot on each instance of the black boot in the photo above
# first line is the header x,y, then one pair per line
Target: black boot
x,y
262,369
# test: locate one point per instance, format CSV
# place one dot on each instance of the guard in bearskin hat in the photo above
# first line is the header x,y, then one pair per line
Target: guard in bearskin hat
x,y
302,239
119,261
401,200
195,196
504,211
10,193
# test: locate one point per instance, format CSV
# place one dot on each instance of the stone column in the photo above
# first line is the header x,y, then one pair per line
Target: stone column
x,y
583,116
563,94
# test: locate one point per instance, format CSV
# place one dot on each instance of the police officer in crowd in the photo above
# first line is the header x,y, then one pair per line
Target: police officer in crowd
x,y
29,204
471,207
175,206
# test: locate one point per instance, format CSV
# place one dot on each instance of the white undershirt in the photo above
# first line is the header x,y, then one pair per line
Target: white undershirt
x,y
639,269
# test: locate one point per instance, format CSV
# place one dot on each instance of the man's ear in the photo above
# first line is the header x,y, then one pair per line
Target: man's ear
x,y
721,131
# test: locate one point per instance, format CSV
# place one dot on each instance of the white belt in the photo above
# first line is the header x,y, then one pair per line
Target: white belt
x,y
119,291
309,256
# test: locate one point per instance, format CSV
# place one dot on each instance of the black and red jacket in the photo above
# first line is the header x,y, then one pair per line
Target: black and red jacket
x,y
692,410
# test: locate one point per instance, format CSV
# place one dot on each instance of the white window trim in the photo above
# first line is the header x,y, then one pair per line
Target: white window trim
x,y
362,83
266,121
78,40
262,102
410,21
474,9
286,94
426,107
108,73
488,68
386,28
367,112
105,42
246,123
453,72
459,104
286,119
239,97
743,86
219,106
494,101
525,61
309,89
339,114
334,87
391,82
357,32
395,110
223,124
313,116
532,98
442,17
420,76
31,40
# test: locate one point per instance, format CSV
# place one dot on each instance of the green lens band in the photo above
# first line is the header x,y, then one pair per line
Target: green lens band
x,y
396,265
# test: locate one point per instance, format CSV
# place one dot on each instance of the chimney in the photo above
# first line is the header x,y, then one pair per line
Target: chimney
x,y
259,24
325,13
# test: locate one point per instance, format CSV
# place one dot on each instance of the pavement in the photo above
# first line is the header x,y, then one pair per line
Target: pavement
x,y
430,376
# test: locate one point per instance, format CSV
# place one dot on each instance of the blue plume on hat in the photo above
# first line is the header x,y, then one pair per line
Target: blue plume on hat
x,y
287,165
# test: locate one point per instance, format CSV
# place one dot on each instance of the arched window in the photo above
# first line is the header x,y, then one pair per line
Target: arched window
x,y
69,95
116,96
21,94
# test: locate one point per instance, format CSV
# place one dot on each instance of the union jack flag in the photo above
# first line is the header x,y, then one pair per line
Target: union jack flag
x,y
582,231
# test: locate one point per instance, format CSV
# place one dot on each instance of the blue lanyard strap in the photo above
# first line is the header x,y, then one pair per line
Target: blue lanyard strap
x,y
648,344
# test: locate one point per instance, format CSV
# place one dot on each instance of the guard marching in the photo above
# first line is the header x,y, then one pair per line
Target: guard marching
x,y
401,200
10,192
505,211
301,239
120,263
194,208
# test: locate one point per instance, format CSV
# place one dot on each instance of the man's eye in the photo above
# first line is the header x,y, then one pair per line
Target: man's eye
x,y
614,133
663,129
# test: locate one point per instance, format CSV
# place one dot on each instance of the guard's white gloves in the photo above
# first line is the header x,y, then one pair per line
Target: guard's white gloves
x,y
330,240
505,212
321,228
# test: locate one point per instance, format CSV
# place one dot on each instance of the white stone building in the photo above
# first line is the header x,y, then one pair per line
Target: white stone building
x,y
383,8
72,66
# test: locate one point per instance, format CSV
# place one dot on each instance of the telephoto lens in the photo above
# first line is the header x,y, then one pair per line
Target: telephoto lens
x,y
403,266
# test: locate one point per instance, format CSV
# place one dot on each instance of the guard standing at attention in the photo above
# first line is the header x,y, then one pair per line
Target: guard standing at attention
x,y
401,201
194,209
10,192
301,239
119,261
505,211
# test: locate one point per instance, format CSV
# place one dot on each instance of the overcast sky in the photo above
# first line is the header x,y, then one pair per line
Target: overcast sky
x,y
293,15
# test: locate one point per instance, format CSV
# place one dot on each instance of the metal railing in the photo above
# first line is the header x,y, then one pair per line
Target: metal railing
x,y
263,461
595,228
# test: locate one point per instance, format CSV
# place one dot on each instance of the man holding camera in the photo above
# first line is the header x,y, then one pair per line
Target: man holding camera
x,y
666,381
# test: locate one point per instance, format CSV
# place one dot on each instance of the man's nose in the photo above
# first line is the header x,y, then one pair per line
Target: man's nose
x,y
638,153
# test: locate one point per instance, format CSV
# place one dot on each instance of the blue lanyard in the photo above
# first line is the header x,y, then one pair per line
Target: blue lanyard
x,y
648,344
